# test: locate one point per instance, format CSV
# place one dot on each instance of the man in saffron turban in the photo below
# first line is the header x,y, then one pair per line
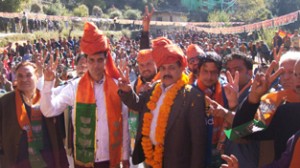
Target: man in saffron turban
x,y
171,132
101,137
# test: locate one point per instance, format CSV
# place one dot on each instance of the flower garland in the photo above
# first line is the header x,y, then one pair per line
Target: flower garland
x,y
154,156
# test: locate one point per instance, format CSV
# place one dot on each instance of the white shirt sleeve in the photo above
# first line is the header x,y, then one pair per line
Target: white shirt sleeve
x,y
53,103
40,83
126,137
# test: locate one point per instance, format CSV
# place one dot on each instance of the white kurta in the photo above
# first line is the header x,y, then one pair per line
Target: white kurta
x,y
54,104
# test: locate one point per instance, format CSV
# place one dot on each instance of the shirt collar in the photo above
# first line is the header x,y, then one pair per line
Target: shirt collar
x,y
100,82
165,89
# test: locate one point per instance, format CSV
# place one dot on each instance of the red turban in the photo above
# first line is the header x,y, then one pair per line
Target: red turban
x,y
194,50
144,55
94,41
165,52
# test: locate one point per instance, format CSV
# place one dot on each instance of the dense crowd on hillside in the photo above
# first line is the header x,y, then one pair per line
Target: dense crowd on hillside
x,y
171,99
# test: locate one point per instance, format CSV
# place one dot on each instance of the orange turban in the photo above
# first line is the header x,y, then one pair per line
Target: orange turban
x,y
194,50
94,41
4,51
165,52
144,55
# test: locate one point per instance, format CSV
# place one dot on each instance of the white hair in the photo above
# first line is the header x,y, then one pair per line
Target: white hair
x,y
289,56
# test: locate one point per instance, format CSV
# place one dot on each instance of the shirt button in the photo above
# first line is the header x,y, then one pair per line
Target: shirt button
x,y
97,140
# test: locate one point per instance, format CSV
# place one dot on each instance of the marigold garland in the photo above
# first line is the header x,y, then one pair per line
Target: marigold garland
x,y
154,156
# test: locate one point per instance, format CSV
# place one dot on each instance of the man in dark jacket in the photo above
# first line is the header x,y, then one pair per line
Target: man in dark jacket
x,y
27,138
172,133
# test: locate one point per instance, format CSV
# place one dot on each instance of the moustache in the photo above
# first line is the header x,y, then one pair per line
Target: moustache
x,y
167,76
146,71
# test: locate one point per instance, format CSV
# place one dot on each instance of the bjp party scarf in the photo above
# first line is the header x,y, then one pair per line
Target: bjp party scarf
x,y
265,113
33,128
85,122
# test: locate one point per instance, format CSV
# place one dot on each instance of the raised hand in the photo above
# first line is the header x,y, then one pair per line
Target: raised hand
x,y
147,18
147,86
123,81
50,69
262,83
232,89
278,55
232,161
39,61
215,109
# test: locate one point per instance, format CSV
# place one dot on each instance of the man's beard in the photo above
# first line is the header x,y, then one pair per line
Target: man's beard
x,y
148,79
194,71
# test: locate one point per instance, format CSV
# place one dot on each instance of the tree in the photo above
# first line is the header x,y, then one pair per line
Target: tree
x,y
197,16
55,9
35,8
251,11
218,16
91,3
279,7
132,14
81,11
12,5
115,14
97,11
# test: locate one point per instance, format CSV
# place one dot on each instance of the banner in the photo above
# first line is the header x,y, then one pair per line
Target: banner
x,y
210,27
267,24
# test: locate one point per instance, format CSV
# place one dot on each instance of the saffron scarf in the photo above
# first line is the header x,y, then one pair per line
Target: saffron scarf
x,y
85,122
218,122
295,161
265,113
33,128
191,78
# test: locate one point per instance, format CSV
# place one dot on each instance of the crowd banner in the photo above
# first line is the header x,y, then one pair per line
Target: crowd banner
x,y
267,24
210,27
286,19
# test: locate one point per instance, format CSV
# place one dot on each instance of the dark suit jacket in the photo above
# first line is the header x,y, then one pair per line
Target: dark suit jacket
x,y
185,137
10,134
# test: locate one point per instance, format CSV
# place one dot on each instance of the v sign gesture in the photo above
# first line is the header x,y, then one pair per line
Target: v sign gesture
x,y
278,55
123,81
50,69
232,89
147,18
262,83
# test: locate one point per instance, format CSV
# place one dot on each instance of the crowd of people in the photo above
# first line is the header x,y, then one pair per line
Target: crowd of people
x,y
172,99
23,24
